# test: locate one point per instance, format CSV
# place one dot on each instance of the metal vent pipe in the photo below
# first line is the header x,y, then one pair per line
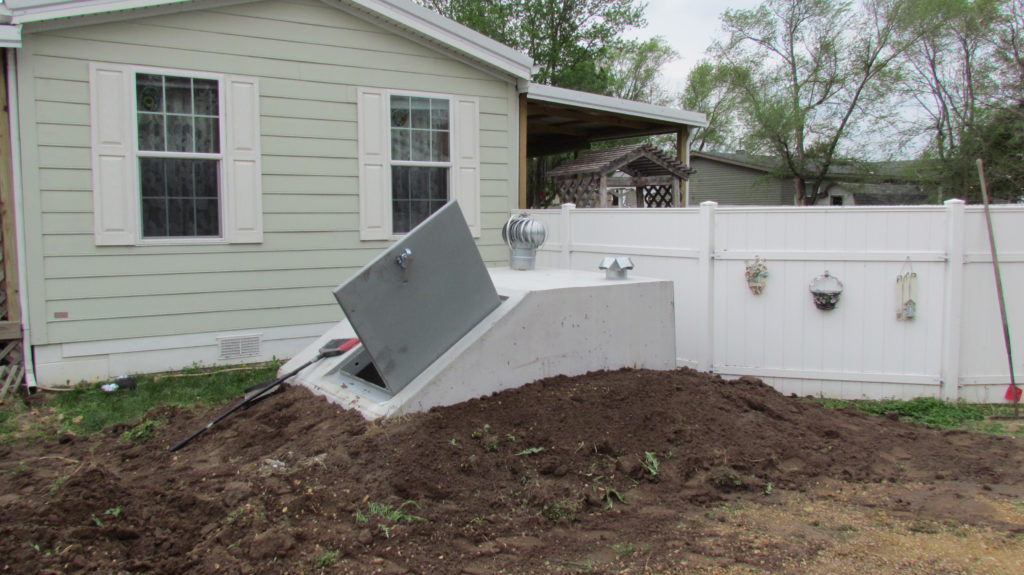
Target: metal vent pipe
x,y
523,235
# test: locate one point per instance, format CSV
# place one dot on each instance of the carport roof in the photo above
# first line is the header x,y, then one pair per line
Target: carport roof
x,y
561,120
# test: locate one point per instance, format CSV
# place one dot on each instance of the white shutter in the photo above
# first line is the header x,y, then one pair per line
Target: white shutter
x,y
243,218
374,176
115,200
466,167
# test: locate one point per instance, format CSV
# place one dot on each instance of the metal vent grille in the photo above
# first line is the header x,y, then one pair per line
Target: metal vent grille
x,y
240,346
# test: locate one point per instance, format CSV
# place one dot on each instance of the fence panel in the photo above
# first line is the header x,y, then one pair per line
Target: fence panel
x,y
860,349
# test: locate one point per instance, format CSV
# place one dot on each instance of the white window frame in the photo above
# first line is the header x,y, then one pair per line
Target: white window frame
x,y
221,144
374,144
116,181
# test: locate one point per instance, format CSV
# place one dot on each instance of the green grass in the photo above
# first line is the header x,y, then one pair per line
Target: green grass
x,y
931,411
88,409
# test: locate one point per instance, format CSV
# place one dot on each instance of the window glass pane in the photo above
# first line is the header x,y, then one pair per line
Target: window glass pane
x,y
178,94
151,132
179,197
420,112
419,209
206,179
400,144
151,174
400,223
439,185
399,111
419,183
207,135
149,93
439,147
420,145
400,182
154,218
180,217
179,134
417,192
207,218
206,97
439,114
168,120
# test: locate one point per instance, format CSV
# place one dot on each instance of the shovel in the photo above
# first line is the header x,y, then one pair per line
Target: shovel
x,y
262,391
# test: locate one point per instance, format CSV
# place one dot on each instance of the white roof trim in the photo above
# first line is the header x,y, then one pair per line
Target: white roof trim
x,y
26,11
10,36
425,22
543,93
401,13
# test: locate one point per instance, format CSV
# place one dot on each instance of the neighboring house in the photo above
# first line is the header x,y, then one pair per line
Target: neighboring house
x,y
747,179
193,178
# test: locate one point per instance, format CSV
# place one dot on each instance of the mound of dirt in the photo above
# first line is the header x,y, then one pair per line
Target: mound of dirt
x,y
624,471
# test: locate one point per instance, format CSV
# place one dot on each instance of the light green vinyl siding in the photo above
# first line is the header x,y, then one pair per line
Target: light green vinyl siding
x,y
732,185
309,58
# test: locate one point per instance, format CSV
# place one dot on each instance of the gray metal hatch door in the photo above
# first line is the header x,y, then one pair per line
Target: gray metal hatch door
x,y
414,301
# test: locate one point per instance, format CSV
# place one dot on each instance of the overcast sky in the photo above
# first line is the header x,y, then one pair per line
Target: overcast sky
x,y
689,26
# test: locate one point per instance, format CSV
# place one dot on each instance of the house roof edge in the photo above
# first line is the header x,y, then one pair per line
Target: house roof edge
x,y
402,13
545,93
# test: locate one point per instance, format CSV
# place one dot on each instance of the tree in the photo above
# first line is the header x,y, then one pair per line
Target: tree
x,y
635,69
949,75
709,91
571,41
809,75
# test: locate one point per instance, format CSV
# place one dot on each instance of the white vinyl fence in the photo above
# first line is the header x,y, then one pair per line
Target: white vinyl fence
x,y
952,349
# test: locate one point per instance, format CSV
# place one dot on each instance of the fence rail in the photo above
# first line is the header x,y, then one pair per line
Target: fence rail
x,y
952,348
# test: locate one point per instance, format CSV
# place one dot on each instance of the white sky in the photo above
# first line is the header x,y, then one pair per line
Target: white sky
x,y
689,26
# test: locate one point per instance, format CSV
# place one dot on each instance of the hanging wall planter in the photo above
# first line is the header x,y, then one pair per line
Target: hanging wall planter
x,y
757,275
826,289
906,293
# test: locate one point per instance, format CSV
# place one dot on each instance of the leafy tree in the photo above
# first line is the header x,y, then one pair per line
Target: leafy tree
x,y
949,74
709,91
635,69
810,74
570,40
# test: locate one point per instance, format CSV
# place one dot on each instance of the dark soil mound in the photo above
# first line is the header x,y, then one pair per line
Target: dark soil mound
x,y
520,482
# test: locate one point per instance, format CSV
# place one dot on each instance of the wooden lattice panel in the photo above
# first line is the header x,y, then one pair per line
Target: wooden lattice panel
x,y
583,192
657,196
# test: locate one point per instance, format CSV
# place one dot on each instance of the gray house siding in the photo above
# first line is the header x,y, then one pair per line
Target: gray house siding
x,y
734,185
309,59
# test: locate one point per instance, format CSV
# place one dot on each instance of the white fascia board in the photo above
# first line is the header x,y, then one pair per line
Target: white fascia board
x,y
25,11
10,36
455,36
543,93
403,13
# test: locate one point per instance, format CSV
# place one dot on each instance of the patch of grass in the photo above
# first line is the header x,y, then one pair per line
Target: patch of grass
x,y
650,462
926,410
386,515
141,432
88,409
326,560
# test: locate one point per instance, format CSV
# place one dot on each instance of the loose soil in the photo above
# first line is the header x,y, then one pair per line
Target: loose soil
x,y
629,471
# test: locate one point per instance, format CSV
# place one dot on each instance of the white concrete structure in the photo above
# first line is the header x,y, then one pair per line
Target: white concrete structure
x,y
550,322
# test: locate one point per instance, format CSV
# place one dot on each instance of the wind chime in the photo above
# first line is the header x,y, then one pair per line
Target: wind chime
x,y
906,293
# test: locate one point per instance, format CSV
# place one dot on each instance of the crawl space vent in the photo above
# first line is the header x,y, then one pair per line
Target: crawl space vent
x,y
237,347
